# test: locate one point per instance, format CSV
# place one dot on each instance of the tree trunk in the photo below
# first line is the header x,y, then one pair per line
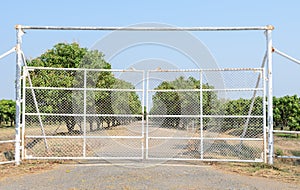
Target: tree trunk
x,y
91,125
70,124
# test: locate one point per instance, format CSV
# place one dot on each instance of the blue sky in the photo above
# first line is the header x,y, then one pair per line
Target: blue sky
x,y
244,49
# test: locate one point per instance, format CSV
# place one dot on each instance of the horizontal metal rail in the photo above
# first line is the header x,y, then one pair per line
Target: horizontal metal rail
x,y
82,115
139,137
288,157
82,137
287,132
206,138
208,116
7,162
204,159
29,157
144,28
8,141
198,70
87,89
140,90
29,68
206,90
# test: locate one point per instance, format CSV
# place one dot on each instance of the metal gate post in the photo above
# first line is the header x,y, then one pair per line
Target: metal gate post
x,y
201,116
18,93
270,93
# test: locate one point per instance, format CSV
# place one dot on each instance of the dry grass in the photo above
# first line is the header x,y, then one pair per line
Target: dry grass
x,y
286,170
282,170
27,167
7,133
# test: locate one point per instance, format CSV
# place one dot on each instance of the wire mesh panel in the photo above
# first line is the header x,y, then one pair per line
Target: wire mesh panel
x,y
99,114
7,148
191,117
7,133
83,113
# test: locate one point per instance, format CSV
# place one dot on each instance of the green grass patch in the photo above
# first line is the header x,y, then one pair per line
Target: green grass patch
x,y
288,136
259,166
278,152
5,126
295,152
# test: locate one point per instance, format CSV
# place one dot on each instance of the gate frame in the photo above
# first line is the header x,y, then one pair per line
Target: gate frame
x,y
269,49
12,50
84,136
201,115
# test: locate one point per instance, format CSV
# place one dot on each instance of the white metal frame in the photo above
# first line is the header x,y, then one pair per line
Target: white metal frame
x,y
12,50
84,115
287,132
268,30
202,115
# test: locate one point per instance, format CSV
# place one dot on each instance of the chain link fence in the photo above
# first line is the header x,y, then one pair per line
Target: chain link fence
x,y
109,114
7,148
81,113
192,118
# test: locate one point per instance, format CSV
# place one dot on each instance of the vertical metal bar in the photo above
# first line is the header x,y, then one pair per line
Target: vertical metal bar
x,y
264,115
261,75
18,94
84,116
36,105
201,115
251,108
147,117
270,94
143,108
264,108
23,112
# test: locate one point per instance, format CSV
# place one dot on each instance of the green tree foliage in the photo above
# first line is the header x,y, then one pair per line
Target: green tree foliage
x,y
62,55
172,102
59,101
287,112
7,111
241,107
167,103
125,102
99,102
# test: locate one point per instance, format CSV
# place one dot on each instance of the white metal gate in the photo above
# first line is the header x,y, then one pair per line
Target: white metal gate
x,y
7,139
192,118
123,114
83,114
152,119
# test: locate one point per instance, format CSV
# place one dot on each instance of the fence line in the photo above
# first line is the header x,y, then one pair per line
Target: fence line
x,y
287,132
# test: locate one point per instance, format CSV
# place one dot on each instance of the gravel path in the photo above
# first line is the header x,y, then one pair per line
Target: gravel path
x,y
139,175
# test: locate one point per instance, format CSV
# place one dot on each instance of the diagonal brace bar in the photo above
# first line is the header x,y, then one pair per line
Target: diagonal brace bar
x,y
12,50
286,56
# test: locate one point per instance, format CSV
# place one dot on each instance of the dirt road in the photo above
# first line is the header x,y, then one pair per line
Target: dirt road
x,y
139,175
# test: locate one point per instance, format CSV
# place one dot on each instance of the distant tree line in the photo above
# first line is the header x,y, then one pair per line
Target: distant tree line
x,y
287,112
168,101
7,112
